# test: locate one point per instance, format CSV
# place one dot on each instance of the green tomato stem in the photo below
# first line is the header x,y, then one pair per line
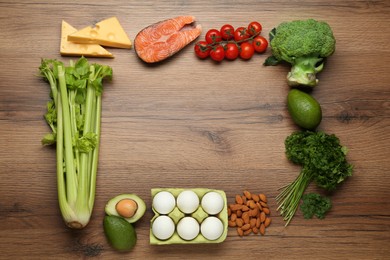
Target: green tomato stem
x,y
214,44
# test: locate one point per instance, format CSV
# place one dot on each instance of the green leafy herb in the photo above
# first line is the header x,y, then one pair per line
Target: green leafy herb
x,y
323,161
74,115
315,204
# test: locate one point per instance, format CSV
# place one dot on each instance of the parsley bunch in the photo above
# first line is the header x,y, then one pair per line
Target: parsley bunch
x,y
323,161
315,204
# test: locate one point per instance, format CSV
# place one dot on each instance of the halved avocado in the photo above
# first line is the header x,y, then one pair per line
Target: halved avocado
x,y
133,207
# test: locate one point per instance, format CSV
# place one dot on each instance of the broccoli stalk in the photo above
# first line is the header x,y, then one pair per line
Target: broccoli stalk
x,y
303,44
303,71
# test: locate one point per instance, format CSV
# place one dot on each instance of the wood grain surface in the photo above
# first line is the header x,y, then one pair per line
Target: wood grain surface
x,y
187,122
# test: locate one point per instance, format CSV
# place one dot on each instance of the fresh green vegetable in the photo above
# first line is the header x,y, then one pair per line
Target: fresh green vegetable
x,y
128,206
315,204
74,114
305,110
323,161
304,44
120,234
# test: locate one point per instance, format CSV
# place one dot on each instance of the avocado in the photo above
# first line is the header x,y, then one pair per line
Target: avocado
x,y
132,209
305,111
120,234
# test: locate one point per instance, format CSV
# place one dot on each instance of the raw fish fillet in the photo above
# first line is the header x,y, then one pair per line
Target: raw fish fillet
x,y
163,39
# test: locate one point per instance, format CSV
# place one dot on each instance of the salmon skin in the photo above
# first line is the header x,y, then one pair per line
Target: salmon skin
x,y
163,39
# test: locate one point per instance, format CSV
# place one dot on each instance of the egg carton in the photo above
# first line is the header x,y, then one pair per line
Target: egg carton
x,y
199,214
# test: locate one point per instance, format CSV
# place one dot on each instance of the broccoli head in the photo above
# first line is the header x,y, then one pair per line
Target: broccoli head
x,y
304,44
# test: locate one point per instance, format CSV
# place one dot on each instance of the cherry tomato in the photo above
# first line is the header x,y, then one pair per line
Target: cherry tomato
x,y
231,52
260,44
241,34
227,32
202,50
217,53
247,50
254,28
213,36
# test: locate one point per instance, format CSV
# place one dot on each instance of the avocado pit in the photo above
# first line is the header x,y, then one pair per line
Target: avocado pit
x,y
126,208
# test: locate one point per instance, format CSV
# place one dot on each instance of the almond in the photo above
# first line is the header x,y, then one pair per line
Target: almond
x,y
243,199
249,214
262,229
245,217
267,222
263,204
252,222
239,200
255,230
246,227
262,217
240,232
239,222
247,232
263,198
244,208
248,195
235,207
254,212
232,223
255,197
259,206
258,222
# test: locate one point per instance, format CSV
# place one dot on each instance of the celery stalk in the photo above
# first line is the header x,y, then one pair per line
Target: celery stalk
x,y
74,115
95,155
69,162
66,210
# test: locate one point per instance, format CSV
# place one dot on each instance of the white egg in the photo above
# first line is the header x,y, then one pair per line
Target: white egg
x,y
164,202
188,228
211,228
163,227
187,201
212,202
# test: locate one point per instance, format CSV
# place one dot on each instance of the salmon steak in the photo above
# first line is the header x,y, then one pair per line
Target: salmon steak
x,y
163,39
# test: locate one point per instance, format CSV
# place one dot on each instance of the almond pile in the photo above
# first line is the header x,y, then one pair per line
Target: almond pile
x,y
249,214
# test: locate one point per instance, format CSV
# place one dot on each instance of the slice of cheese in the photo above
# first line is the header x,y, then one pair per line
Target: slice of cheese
x,y
74,49
108,32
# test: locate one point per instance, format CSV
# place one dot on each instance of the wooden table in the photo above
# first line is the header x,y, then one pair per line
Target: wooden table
x,y
193,123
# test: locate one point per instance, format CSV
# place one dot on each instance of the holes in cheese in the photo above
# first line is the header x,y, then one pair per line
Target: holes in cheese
x,y
69,48
108,32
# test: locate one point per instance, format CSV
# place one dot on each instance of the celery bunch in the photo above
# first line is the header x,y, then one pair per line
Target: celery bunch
x,y
74,116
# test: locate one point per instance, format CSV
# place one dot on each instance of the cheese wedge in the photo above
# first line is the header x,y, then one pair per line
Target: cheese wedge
x,y
108,32
74,49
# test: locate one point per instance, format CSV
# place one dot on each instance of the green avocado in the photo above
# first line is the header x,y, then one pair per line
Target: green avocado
x,y
304,109
120,234
136,213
